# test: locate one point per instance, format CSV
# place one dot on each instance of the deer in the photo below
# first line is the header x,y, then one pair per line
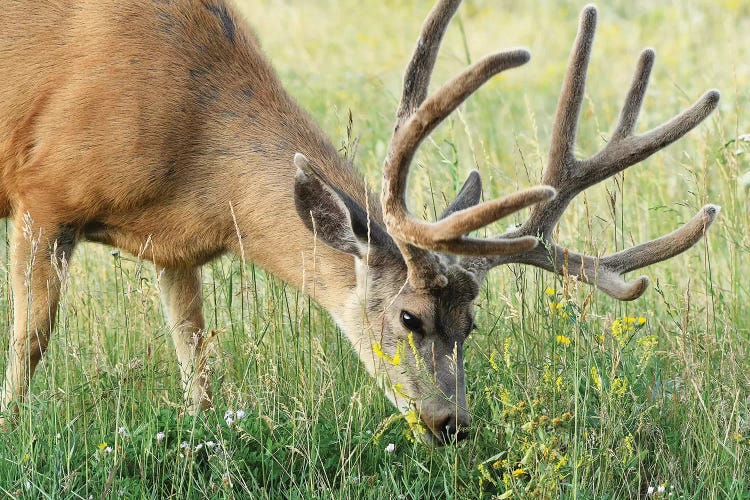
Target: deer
x,y
160,128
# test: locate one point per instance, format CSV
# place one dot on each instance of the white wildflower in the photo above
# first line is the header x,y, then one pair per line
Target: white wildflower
x,y
650,490
160,436
390,448
122,431
108,450
240,414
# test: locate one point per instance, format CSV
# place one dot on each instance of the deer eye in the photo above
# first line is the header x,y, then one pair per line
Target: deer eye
x,y
411,322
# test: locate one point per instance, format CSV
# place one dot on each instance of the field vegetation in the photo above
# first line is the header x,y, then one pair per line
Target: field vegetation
x,y
572,394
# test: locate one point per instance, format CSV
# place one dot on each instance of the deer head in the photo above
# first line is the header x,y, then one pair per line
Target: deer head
x,y
418,281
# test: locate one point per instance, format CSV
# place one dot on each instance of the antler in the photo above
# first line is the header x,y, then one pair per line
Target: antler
x,y
417,117
570,176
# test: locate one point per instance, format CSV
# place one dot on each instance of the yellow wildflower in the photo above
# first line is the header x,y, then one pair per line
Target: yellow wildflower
x,y
549,291
396,360
414,422
562,339
520,472
484,475
493,363
595,378
629,452
619,386
26,458
641,320
648,343
617,328
398,390
414,351
102,445
377,348
384,426
506,348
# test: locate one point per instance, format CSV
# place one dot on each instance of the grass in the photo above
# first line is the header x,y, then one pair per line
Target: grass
x,y
572,394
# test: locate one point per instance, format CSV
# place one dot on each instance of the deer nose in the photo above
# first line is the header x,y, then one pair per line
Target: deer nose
x,y
454,429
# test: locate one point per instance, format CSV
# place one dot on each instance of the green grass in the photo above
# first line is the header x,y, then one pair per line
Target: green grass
x,y
563,403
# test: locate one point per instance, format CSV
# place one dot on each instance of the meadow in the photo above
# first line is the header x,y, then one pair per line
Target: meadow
x,y
572,394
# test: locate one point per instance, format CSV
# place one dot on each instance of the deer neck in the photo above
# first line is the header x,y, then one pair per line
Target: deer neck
x,y
265,227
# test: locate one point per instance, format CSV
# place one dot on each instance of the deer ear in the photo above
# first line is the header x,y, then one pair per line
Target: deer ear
x,y
322,210
470,194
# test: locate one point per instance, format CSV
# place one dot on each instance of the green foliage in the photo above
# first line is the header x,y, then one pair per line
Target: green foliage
x,y
571,393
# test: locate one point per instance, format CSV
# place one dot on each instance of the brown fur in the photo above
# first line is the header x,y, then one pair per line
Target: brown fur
x,y
144,126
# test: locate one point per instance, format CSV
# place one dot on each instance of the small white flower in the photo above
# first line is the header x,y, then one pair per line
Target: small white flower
x,y
211,444
240,414
229,420
122,431
198,446
160,436
108,450
650,490
184,445
661,489
390,448
229,414
58,436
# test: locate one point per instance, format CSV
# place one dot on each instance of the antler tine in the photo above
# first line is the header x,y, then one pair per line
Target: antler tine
x,y
419,71
624,151
571,176
571,98
633,102
605,272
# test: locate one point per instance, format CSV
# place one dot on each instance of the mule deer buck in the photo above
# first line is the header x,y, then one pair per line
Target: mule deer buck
x,y
162,124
